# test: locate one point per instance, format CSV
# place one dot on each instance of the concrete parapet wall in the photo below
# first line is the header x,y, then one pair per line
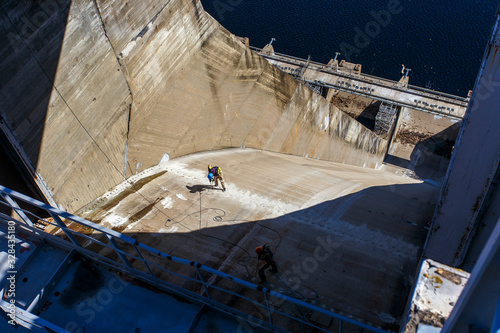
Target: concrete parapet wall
x,y
119,84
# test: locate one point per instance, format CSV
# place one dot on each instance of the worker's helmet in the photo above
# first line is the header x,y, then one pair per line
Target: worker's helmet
x,y
209,166
259,249
210,176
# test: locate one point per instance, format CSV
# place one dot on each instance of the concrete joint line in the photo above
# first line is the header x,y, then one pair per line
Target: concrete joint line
x,y
117,57
125,77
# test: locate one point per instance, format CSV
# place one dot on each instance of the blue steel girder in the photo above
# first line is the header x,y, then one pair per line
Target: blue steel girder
x,y
16,208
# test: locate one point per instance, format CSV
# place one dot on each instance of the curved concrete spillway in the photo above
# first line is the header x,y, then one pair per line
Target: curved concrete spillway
x,y
353,234
121,86
116,85
94,93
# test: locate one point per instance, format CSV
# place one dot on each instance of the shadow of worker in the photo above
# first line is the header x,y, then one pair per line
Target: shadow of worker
x,y
199,188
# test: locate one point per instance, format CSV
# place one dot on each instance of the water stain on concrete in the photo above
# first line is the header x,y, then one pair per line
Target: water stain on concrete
x,y
96,210
139,215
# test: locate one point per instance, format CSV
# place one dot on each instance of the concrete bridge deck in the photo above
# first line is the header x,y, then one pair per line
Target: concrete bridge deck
x,y
347,77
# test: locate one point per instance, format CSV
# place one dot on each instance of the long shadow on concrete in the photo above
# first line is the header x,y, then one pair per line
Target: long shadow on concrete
x,y
11,177
430,157
33,33
367,117
360,251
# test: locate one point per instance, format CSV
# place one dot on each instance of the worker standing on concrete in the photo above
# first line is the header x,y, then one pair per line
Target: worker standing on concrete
x,y
215,174
264,253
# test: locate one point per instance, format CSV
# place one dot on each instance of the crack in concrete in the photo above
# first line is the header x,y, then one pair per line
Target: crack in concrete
x,y
146,27
125,76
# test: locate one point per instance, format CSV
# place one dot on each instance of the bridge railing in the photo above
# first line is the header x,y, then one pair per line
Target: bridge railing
x,y
415,106
368,77
250,304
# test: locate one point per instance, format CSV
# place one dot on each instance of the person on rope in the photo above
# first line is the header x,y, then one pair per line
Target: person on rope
x,y
264,253
215,174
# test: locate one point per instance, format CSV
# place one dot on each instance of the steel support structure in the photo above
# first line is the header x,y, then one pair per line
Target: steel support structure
x,y
469,205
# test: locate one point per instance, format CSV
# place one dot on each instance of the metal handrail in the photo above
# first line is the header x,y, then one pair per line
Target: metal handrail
x,y
323,67
29,320
360,92
125,264
385,99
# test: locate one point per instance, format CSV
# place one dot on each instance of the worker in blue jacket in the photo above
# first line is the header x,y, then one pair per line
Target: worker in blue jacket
x,y
215,174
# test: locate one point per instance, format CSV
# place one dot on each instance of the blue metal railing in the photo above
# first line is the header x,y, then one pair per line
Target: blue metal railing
x,y
28,320
250,299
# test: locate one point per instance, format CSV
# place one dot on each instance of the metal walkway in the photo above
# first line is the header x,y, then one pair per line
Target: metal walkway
x,y
90,278
397,93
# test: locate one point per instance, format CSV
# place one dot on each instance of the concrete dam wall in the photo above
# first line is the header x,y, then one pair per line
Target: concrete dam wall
x,y
95,91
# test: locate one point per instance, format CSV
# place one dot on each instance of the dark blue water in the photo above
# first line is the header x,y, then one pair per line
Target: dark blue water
x,y
443,42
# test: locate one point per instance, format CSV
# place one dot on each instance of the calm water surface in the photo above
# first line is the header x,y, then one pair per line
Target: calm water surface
x,y
443,42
